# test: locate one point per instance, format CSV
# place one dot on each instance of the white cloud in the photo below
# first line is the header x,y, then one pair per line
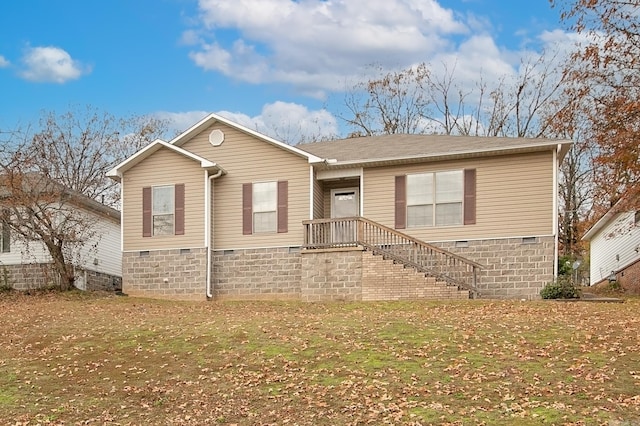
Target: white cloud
x,y
51,64
3,62
284,121
316,44
320,46
180,121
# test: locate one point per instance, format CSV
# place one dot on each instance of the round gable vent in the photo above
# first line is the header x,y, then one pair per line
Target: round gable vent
x,y
216,137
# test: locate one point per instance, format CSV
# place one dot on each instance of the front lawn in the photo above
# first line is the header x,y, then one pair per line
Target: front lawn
x,y
94,359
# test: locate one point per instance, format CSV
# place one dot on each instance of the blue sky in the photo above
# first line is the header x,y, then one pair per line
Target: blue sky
x,y
269,64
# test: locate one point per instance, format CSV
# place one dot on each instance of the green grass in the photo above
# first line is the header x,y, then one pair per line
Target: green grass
x,y
81,358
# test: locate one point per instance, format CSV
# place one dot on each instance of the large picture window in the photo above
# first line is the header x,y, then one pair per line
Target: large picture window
x,y
435,199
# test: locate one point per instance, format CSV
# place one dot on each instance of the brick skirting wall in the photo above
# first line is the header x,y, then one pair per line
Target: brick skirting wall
x,y
174,274
99,281
31,276
628,278
332,274
385,280
270,273
516,268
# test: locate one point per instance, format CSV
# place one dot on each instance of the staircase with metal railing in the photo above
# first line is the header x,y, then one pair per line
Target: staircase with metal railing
x,y
401,248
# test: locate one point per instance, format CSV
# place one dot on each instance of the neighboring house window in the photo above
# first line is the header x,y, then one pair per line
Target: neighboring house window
x,y
163,210
264,207
5,238
435,199
636,218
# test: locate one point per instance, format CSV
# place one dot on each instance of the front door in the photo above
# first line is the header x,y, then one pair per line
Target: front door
x,y
344,203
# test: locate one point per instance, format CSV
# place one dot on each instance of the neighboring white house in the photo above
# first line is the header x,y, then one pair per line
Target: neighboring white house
x,y
615,247
98,263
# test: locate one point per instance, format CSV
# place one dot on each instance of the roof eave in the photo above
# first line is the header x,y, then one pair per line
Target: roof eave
x,y
439,157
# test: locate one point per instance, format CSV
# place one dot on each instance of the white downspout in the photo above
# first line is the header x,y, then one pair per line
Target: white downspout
x,y
556,166
121,215
361,192
311,193
207,227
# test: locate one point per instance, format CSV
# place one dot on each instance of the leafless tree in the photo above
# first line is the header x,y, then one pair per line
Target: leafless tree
x,y
48,172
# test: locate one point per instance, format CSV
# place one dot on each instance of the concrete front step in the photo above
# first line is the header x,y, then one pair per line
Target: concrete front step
x,y
384,279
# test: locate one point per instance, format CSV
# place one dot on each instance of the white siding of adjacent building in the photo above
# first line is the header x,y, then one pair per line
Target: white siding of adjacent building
x,y
106,257
24,253
101,253
614,247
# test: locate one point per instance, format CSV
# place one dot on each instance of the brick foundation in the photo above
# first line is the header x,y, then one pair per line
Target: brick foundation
x,y
385,280
99,281
333,274
628,278
175,273
272,273
31,276
514,267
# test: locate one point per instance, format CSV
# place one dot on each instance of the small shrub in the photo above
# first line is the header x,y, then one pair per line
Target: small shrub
x,y
562,288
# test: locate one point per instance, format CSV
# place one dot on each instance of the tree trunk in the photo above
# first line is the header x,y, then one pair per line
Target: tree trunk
x,y
65,270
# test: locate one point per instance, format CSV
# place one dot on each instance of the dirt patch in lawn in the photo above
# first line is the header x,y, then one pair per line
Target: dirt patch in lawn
x,y
79,358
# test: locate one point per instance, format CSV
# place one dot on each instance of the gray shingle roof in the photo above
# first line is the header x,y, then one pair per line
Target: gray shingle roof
x,y
405,147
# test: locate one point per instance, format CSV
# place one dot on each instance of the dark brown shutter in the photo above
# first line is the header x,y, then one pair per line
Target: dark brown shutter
x,y
283,206
179,209
401,202
146,211
247,208
470,197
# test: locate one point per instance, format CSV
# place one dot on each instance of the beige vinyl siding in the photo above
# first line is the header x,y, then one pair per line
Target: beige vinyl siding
x,y
247,159
164,168
514,197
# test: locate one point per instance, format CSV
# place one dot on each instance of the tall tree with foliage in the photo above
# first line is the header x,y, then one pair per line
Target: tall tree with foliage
x,y
49,171
607,68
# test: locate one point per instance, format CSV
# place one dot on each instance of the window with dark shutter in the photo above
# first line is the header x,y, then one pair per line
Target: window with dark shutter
x,y
179,209
146,211
469,196
6,238
401,202
247,208
283,206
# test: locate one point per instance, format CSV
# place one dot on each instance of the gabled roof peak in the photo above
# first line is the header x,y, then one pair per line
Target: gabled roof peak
x,y
213,118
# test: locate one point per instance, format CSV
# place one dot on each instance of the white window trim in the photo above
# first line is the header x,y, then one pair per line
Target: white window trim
x,y
154,213
255,211
435,202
